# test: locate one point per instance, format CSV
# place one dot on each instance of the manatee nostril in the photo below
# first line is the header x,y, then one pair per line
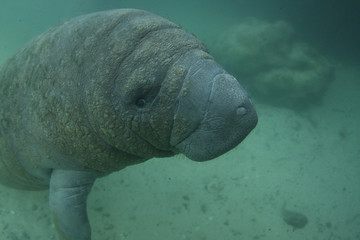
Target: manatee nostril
x,y
241,111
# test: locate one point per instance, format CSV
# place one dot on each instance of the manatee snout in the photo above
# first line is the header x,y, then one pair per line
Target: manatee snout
x,y
218,112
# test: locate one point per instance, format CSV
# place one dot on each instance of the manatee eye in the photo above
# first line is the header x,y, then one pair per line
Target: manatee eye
x,y
140,103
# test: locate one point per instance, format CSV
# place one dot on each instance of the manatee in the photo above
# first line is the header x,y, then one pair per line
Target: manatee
x,y
107,90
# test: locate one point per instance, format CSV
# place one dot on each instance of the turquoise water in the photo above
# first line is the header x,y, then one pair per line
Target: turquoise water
x,y
331,26
308,157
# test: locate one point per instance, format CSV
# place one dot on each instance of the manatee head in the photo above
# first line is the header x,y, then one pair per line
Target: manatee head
x,y
190,105
160,93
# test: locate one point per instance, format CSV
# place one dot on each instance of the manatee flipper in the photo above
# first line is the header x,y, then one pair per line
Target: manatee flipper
x,y
68,193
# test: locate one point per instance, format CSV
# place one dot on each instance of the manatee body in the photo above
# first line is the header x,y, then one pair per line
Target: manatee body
x,y
107,90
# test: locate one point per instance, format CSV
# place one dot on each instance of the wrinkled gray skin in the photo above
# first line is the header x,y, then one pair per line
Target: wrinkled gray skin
x,y
108,90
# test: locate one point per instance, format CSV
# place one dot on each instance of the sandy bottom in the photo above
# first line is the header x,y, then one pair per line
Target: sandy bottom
x,y
310,160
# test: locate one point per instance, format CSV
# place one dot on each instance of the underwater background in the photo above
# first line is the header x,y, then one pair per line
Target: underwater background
x,y
300,61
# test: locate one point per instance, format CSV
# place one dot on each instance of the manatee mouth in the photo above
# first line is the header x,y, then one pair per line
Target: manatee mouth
x,y
213,137
229,116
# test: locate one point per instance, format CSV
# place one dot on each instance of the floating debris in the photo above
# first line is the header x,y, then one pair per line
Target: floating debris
x,y
294,219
